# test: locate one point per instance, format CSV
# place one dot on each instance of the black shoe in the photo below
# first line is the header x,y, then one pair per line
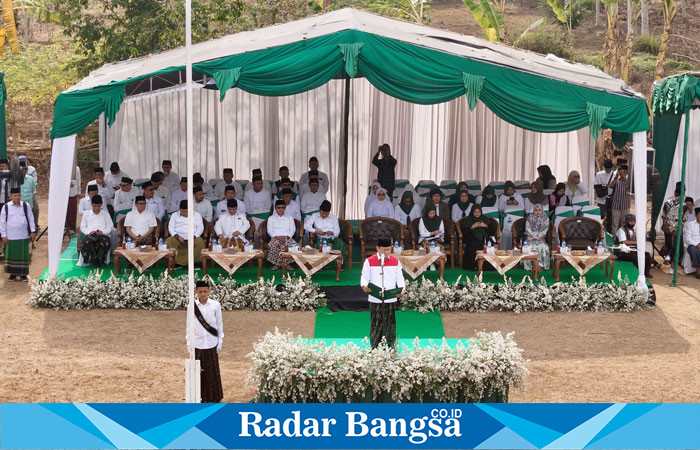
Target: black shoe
x,y
24,278
12,278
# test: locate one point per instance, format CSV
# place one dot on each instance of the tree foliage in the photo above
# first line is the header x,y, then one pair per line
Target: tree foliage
x,y
488,17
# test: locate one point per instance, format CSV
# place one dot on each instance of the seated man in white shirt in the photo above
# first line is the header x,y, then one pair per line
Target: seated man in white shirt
x,y
140,224
304,186
311,201
285,184
178,195
96,228
281,229
161,190
284,173
292,206
153,204
202,205
222,206
231,226
115,175
124,198
170,179
313,171
691,236
177,227
325,227
198,181
85,203
105,190
220,188
258,201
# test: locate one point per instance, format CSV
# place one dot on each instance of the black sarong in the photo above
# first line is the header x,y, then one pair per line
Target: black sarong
x,y
382,320
95,249
212,392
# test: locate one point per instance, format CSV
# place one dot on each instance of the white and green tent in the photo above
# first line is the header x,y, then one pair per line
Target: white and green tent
x,y
318,70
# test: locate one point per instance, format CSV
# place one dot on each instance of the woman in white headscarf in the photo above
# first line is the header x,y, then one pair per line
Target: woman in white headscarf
x,y
574,186
382,206
372,196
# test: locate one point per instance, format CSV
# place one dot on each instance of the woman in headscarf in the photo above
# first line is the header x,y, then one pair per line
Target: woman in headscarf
x,y
510,198
454,198
488,197
406,211
475,230
536,197
381,207
436,200
627,235
431,227
536,229
462,207
574,187
372,196
546,177
558,198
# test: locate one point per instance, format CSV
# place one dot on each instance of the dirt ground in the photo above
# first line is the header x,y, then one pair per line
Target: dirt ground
x,y
138,356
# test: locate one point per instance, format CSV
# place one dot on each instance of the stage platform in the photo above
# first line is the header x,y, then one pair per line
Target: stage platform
x,y
350,277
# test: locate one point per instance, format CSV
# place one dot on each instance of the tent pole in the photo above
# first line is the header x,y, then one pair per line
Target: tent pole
x,y
680,207
346,122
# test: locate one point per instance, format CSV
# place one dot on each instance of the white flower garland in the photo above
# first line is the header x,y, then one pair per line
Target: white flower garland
x,y
476,296
288,369
165,292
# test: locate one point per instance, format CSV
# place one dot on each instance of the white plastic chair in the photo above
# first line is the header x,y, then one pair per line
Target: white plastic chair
x,y
214,181
522,184
498,186
561,213
448,187
592,212
578,202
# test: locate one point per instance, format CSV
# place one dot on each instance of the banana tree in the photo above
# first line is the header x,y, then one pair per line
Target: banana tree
x,y
634,12
489,18
9,30
669,9
612,38
564,11
413,10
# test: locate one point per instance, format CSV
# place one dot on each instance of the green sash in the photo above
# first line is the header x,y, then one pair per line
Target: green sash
x,y
569,213
123,211
214,203
389,294
310,213
262,215
452,186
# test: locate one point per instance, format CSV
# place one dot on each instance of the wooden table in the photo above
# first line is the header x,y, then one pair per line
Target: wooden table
x,y
133,256
512,263
311,263
231,262
584,267
414,265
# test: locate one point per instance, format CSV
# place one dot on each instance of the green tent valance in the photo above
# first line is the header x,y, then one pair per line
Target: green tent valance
x,y
472,88
675,95
226,79
408,72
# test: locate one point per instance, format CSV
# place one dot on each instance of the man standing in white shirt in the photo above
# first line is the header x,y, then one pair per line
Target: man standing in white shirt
x,y
322,177
179,195
17,229
231,226
324,226
124,198
691,235
292,210
258,201
208,339
153,204
220,188
202,205
177,227
96,227
601,185
311,200
106,191
222,206
161,190
140,224
115,175
85,204
170,179
382,279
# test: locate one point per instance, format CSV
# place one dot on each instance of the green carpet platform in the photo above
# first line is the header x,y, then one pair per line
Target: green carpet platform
x,y
350,277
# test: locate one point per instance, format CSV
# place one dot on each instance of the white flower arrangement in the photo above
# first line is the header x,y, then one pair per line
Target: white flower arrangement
x,y
165,292
475,295
289,370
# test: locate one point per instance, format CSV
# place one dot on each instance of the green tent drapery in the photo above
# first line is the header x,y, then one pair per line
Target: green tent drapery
x,y
3,125
404,71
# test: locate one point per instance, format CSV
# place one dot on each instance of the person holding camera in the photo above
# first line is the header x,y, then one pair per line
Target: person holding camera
x,y
620,199
386,169
602,187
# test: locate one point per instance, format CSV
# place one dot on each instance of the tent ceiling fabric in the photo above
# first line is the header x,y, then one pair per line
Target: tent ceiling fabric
x,y
411,62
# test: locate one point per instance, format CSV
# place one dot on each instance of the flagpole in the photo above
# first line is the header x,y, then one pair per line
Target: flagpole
x,y
192,369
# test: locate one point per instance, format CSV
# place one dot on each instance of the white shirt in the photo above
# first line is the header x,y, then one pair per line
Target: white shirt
x,y
13,222
401,216
280,226
172,181
390,274
204,209
163,192
154,205
311,201
381,209
176,197
125,200
220,190
211,312
115,180
691,233
96,222
323,181
85,205
105,191
457,212
292,210
258,202
208,191
581,191
177,226
621,236
424,234
75,183
316,222
604,178
140,222
505,197
229,224
222,208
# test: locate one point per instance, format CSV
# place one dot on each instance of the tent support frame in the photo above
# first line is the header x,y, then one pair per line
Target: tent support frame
x,y
680,207
346,125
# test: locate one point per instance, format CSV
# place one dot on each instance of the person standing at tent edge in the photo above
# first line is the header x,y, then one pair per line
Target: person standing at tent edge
x,y
208,338
386,169
17,229
382,279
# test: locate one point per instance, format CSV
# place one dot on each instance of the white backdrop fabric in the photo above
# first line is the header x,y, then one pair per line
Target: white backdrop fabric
x,y
62,163
433,142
